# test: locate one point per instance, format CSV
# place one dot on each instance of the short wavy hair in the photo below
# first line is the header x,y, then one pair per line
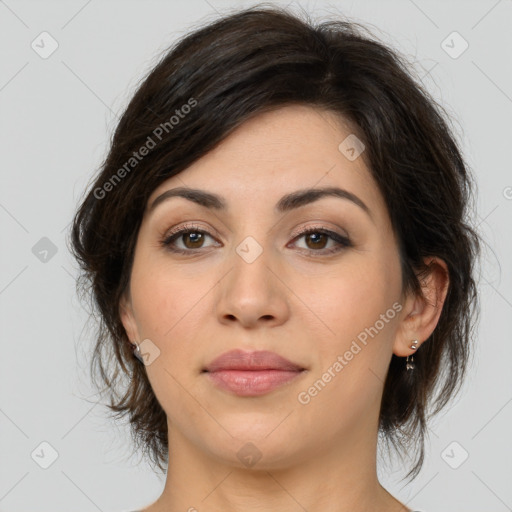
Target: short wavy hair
x,y
236,67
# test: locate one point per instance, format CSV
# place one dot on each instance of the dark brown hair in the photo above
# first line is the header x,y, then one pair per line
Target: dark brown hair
x,y
208,84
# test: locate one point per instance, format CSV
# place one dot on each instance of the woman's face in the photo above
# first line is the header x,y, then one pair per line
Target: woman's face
x,y
244,277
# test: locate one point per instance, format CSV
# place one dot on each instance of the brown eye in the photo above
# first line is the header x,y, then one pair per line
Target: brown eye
x,y
318,240
187,239
321,241
192,240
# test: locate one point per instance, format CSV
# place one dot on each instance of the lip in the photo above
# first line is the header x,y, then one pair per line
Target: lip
x,y
251,373
256,360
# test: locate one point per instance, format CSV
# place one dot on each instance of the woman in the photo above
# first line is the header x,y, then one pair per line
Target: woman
x,y
278,248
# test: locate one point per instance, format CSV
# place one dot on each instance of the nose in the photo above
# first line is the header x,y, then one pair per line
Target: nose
x,y
252,293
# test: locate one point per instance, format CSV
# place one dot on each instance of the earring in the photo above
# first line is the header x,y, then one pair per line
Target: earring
x,y
409,363
136,352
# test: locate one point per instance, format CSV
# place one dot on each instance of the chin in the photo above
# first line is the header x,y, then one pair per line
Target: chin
x,y
258,449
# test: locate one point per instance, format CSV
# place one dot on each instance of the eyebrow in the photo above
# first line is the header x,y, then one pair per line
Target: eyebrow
x,y
287,203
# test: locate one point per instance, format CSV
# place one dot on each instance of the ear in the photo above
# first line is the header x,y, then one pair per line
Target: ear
x,y
421,312
128,319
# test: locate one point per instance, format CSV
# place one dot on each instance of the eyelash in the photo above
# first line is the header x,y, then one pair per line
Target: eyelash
x,y
342,241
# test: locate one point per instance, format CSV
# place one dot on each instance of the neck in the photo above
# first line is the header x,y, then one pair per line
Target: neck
x,y
340,479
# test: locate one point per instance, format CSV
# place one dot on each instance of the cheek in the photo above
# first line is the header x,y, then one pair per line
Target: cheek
x,y
169,311
354,353
165,297
349,299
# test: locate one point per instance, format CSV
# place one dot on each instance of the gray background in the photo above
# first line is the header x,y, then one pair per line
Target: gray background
x,y
57,114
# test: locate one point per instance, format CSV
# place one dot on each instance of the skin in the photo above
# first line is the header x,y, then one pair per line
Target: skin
x,y
293,299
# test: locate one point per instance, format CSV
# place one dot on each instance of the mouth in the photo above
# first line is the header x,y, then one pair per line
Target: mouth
x,y
251,361
251,373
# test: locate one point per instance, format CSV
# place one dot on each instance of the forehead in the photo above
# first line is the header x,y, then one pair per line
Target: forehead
x,y
280,151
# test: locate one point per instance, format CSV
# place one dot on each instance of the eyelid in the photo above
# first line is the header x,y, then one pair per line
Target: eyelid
x,y
189,227
321,227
